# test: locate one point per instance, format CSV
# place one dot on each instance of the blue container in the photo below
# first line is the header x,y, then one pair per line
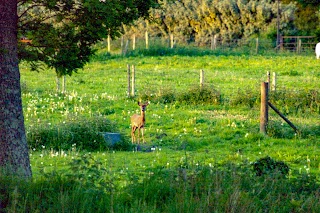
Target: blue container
x,y
111,138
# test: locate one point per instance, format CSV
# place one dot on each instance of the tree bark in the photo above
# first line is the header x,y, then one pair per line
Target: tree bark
x,y
14,156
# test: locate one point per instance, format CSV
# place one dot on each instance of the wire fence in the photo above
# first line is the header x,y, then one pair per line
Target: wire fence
x,y
164,84
298,44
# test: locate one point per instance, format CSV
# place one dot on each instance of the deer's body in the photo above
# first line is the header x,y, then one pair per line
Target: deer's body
x,y
138,122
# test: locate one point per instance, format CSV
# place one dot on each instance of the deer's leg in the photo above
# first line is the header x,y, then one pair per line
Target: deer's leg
x,y
139,135
133,138
142,133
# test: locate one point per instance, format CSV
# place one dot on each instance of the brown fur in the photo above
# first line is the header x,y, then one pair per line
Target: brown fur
x,y
138,122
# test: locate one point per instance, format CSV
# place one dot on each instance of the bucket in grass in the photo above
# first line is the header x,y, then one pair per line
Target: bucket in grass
x,y
111,138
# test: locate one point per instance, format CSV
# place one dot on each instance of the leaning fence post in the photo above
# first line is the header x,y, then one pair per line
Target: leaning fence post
x,y
264,107
133,76
129,79
201,78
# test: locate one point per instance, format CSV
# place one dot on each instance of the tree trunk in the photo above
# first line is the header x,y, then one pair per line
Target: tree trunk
x,y
14,156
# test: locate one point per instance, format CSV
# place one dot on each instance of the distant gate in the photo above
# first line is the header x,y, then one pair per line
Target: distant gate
x,y
297,43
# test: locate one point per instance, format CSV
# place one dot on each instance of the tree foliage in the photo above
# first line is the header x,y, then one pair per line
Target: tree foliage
x,y
62,32
307,17
197,20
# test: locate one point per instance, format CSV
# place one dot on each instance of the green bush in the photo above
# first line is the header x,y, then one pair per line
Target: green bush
x,y
247,97
194,96
289,101
82,133
267,165
205,95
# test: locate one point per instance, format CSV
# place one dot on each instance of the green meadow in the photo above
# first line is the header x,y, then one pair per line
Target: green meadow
x,y
201,142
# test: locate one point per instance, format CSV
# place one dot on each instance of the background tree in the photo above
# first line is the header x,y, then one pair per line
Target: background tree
x,y
14,156
198,20
307,17
61,32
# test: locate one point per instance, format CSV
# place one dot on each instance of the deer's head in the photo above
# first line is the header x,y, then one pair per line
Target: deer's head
x,y
143,106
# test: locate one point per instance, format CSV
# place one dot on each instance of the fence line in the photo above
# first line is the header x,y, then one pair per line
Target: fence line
x,y
148,85
295,44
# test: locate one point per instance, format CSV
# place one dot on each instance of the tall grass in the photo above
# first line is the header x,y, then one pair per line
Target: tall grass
x,y
88,186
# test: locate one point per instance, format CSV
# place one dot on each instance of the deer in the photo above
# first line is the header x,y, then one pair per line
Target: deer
x,y
138,122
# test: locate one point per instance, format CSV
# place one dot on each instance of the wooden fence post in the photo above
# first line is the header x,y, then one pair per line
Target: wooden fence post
x,y
201,79
122,45
147,40
57,83
264,108
64,84
129,79
126,47
215,38
257,45
133,41
171,40
268,79
274,81
109,43
299,46
133,76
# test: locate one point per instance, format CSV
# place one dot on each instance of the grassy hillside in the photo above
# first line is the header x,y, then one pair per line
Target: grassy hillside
x,y
198,135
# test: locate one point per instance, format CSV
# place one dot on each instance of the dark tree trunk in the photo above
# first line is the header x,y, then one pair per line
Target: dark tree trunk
x,y
14,157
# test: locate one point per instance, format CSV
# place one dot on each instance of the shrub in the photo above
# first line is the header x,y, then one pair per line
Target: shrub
x,y
84,133
296,101
205,95
196,95
245,97
267,165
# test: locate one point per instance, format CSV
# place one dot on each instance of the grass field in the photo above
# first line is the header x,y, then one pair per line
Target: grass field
x,y
197,134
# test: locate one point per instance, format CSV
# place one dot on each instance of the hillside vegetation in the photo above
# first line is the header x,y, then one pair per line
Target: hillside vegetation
x,y
204,152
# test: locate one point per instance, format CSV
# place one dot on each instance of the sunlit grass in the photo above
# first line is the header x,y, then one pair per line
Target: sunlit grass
x,y
186,136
